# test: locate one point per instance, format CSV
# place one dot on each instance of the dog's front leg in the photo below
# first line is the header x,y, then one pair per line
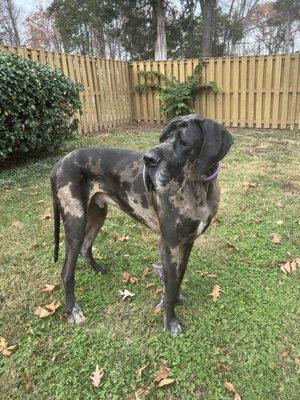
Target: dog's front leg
x,y
171,260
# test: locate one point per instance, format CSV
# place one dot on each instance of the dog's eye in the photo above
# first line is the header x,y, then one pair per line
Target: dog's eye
x,y
183,143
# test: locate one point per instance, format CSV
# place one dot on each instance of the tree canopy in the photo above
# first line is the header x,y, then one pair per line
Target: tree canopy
x,y
147,29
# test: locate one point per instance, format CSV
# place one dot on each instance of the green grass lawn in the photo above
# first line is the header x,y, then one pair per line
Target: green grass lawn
x,y
249,337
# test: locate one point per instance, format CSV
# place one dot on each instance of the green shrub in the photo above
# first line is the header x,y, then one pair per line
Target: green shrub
x,y
176,97
37,106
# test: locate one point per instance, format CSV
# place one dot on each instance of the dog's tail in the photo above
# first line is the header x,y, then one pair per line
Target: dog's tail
x,y
56,229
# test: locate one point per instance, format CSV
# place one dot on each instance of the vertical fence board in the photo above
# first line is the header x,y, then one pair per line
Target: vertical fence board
x,y
277,76
136,102
258,112
285,91
268,88
295,88
243,97
219,81
235,100
227,88
251,83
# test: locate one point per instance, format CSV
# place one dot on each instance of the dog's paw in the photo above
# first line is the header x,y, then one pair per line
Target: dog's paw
x,y
173,328
181,299
76,315
101,268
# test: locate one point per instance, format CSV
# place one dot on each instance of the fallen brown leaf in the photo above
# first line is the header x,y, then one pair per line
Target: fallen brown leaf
x,y
125,293
49,288
96,376
38,203
280,222
126,277
224,366
207,274
63,318
158,292
276,238
140,392
284,353
121,238
269,165
229,386
246,186
149,285
146,271
297,361
140,370
5,349
165,382
212,275
28,380
231,247
214,222
290,266
45,216
54,305
48,309
42,312
133,280
33,193
216,293
162,374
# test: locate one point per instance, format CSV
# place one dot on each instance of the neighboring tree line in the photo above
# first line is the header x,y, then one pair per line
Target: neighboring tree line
x,y
160,29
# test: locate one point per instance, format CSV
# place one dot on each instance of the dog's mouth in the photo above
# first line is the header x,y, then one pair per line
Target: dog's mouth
x,y
148,183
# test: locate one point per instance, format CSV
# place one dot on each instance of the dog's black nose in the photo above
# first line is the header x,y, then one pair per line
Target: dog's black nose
x,y
151,159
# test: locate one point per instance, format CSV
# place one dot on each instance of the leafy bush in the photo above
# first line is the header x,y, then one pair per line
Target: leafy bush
x,y
177,98
37,106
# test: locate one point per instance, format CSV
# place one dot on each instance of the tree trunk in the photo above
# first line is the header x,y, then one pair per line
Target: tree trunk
x,y
207,9
160,47
13,21
287,40
100,42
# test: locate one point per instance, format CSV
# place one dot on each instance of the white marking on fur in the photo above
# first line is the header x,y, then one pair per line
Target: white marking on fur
x,y
159,176
144,176
200,228
68,202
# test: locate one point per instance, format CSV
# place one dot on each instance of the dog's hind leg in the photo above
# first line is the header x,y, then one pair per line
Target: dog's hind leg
x,y
95,220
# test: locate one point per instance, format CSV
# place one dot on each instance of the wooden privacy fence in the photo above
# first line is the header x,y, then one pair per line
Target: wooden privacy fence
x,y
259,92
106,93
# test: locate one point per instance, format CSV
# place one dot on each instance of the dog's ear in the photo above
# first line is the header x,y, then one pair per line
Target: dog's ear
x,y
216,144
178,122
171,127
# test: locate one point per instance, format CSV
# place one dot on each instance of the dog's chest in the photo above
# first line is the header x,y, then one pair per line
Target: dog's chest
x,y
195,204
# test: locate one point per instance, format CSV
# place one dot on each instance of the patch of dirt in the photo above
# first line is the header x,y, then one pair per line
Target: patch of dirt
x,y
131,128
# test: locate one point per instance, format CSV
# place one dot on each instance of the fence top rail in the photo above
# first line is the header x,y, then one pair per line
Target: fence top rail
x,y
207,59
52,52
60,53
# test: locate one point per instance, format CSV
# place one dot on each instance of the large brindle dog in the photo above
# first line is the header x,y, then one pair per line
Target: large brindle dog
x,y
172,189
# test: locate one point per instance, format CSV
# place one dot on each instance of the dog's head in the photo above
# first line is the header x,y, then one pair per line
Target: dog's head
x,y
188,143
